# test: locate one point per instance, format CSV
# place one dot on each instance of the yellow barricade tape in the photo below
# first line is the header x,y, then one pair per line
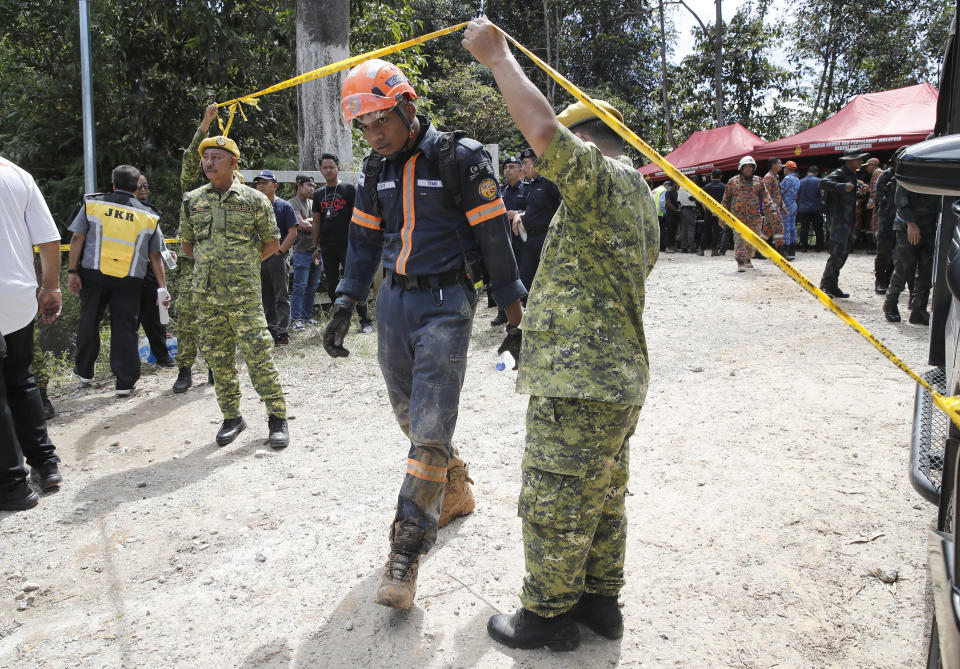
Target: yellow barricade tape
x,y
949,405
237,103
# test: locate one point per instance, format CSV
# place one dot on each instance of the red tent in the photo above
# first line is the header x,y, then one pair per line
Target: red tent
x,y
705,150
871,122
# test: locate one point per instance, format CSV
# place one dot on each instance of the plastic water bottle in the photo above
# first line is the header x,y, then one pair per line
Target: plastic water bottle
x,y
505,361
172,346
168,258
146,355
162,294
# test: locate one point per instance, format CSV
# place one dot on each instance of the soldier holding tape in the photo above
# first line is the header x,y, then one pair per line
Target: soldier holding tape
x,y
584,363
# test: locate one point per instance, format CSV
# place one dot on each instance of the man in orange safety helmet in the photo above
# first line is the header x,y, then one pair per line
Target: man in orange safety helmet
x,y
429,211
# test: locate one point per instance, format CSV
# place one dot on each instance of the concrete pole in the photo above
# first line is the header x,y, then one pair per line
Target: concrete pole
x,y
89,148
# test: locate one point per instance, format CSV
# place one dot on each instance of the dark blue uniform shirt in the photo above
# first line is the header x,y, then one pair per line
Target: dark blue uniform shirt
x,y
418,228
808,195
514,197
285,215
543,200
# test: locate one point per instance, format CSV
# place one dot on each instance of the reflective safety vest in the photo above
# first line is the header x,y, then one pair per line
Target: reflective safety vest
x,y
122,231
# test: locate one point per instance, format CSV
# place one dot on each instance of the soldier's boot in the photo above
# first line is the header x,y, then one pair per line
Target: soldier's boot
x,y
399,583
890,309
525,629
457,496
601,613
920,317
184,380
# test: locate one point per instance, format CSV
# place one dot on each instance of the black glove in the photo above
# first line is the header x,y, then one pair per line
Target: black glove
x,y
337,328
512,343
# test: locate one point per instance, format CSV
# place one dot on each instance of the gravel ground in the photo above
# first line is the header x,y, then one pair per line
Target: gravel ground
x,y
768,479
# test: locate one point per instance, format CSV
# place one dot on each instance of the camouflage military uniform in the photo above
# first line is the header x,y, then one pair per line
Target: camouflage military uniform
x,y
188,326
743,198
585,366
228,234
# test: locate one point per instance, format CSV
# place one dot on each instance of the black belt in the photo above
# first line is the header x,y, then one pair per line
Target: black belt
x,y
422,281
688,206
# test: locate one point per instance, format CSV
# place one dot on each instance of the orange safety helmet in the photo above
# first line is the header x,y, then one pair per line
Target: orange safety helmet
x,y
373,86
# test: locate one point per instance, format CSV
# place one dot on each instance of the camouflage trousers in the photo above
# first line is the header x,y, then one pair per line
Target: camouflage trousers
x,y
227,328
575,471
188,326
742,252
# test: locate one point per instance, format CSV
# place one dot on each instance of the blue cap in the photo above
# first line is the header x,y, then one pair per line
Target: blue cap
x,y
265,175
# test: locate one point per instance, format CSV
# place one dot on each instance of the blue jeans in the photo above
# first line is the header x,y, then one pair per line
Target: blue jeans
x,y
306,278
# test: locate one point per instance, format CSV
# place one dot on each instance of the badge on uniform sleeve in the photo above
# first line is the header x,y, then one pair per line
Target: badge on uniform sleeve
x,y
488,189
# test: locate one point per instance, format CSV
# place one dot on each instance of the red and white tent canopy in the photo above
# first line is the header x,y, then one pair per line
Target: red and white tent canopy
x,y
870,122
706,150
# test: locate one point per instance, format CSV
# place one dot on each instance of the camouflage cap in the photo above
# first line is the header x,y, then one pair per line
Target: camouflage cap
x,y
220,142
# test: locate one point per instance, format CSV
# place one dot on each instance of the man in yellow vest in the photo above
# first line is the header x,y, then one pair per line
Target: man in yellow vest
x,y
114,238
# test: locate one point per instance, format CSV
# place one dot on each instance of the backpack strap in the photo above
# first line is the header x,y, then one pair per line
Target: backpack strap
x,y
449,170
371,174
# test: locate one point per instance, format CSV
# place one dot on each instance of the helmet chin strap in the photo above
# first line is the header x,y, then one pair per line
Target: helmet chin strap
x,y
409,124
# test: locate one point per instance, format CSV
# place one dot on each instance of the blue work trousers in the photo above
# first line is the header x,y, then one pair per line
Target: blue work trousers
x,y
306,279
423,337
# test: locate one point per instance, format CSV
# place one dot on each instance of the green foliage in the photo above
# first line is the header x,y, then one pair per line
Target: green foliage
x,y
470,105
155,66
758,92
890,43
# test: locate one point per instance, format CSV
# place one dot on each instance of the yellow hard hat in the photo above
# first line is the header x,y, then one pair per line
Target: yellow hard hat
x,y
578,113
220,142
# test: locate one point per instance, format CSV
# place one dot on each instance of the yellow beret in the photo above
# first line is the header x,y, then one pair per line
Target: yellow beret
x,y
220,142
578,113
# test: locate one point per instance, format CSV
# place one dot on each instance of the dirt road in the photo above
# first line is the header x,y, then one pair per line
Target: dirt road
x,y
768,477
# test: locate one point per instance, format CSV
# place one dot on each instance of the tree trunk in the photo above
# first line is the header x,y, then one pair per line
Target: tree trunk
x,y
718,64
323,37
546,31
663,79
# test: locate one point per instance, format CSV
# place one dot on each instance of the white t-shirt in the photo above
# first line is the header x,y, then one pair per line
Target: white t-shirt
x,y
25,221
686,199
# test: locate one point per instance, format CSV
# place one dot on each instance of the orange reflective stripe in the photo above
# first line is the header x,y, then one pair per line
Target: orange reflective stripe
x,y
409,215
486,211
364,219
426,472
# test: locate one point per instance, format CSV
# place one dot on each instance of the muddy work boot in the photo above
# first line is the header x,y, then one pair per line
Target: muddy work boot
x,y
399,583
457,496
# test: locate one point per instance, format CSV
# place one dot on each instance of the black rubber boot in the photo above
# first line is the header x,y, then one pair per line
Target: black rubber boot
x,y
525,629
184,380
230,429
210,376
918,317
601,613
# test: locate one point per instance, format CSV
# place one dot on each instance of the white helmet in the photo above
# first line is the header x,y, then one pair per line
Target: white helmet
x,y
747,160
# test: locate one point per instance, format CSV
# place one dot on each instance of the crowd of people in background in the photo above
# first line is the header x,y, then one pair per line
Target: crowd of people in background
x,y
857,205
